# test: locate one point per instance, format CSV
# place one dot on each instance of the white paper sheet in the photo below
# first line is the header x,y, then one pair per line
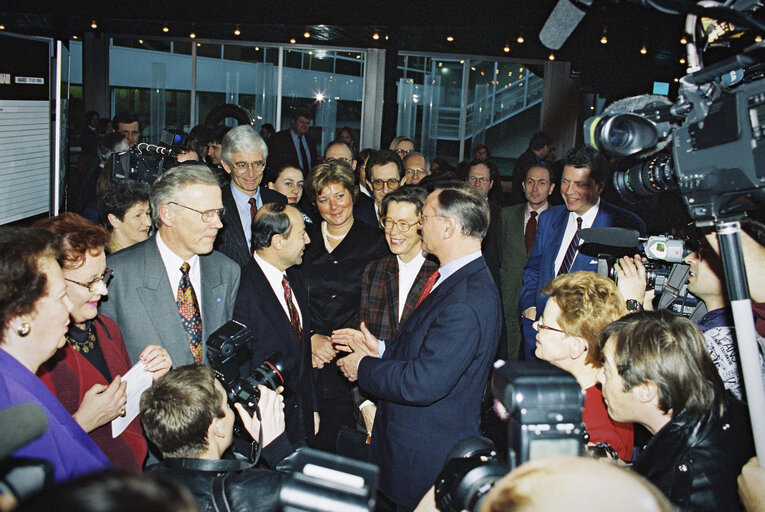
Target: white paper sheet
x,y
138,380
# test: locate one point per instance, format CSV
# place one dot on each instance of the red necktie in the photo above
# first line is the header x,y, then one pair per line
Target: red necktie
x,y
294,317
189,310
573,248
253,207
531,231
428,287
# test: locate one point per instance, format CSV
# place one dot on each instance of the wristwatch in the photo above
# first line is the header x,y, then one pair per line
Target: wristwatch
x,y
634,306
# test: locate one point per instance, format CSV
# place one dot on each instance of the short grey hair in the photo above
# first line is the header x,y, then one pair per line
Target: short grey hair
x,y
171,183
415,153
242,139
463,203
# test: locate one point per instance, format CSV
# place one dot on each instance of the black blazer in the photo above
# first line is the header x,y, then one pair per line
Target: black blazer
x,y
281,150
364,210
231,240
258,308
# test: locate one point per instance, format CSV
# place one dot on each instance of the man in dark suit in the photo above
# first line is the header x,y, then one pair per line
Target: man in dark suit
x,y
516,234
243,156
556,245
431,375
293,145
268,283
161,284
540,151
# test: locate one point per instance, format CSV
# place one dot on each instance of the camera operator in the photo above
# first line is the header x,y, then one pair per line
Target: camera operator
x,y
656,372
187,416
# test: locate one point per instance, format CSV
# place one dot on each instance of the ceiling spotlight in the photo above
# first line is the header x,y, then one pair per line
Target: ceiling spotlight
x,y
604,37
199,45
192,35
306,34
93,24
677,79
375,36
551,56
2,27
683,40
506,49
520,39
758,39
358,56
386,37
165,29
257,48
643,50
450,38
682,60
140,41
237,31
292,40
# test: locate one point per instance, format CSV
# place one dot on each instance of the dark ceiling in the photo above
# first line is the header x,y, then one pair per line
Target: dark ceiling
x,y
478,27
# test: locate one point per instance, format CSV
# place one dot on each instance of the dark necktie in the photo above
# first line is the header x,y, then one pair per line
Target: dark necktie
x,y
531,231
253,207
573,248
294,317
303,157
188,307
428,287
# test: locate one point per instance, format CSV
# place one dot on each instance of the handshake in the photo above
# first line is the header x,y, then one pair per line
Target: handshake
x,y
355,343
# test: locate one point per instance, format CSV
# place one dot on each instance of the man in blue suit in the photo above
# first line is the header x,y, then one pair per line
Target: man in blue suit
x,y
430,377
555,249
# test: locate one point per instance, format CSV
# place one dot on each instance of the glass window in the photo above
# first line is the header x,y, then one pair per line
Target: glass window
x,y
208,50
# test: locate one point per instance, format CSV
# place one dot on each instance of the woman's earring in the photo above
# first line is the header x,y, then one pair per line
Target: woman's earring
x,y
24,329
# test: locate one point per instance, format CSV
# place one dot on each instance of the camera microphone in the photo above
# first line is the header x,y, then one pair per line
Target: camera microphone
x,y
144,147
613,237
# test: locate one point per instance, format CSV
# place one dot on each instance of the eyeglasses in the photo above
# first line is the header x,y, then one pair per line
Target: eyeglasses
x,y
207,215
402,225
423,217
391,183
404,152
541,326
243,167
417,172
477,179
95,283
339,158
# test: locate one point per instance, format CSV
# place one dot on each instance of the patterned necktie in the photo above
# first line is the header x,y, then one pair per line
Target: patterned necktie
x,y
303,157
294,317
531,231
253,207
188,307
428,287
573,248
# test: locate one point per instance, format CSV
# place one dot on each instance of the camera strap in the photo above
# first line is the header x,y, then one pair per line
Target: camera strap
x,y
219,500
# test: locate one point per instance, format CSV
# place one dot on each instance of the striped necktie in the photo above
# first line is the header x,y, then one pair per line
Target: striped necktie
x,y
573,249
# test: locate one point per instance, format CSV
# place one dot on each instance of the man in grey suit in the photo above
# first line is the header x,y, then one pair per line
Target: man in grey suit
x,y
517,230
165,286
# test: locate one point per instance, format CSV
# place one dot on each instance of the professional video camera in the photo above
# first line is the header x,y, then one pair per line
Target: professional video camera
x,y
228,350
544,404
717,130
146,162
666,271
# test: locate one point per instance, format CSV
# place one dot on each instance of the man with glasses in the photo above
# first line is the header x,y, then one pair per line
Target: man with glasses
x,y
243,156
173,289
385,172
431,375
416,167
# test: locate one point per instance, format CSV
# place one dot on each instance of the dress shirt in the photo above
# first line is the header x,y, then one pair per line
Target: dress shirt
x,y
587,219
243,208
364,190
296,142
407,273
274,277
527,213
173,264
453,266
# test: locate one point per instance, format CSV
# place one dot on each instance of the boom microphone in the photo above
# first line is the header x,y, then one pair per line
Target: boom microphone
x,y
22,424
562,21
614,237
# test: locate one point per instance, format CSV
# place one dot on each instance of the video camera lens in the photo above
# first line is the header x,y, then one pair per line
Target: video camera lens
x,y
646,179
269,374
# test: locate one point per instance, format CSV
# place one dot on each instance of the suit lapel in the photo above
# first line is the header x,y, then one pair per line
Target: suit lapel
x,y
390,281
233,230
427,268
213,293
157,297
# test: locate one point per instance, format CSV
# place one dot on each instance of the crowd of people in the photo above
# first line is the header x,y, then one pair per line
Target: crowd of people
x,y
387,283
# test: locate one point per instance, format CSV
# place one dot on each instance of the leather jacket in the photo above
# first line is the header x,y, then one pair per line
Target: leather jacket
x,y
225,485
695,464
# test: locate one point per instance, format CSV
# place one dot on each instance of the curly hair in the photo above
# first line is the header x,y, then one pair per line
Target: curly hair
x,y
588,302
79,237
119,197
22,283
